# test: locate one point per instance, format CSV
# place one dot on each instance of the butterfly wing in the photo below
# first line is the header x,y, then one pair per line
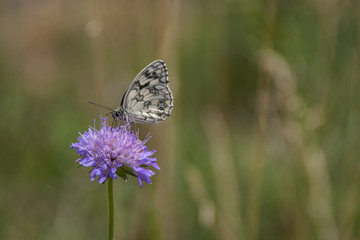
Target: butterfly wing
x,y
149,98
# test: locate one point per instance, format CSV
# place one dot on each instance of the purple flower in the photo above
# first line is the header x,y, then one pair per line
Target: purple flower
x,y
114,151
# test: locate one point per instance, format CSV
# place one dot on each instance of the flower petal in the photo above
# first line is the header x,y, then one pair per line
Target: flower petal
x,y
110,149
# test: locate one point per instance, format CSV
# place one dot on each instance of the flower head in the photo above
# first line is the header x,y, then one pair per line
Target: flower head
x,y
114,151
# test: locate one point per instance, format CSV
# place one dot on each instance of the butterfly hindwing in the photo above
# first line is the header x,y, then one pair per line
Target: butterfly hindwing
x,y
149,99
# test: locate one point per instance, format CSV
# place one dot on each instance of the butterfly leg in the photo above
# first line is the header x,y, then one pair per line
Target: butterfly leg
x,y
113,123
135,128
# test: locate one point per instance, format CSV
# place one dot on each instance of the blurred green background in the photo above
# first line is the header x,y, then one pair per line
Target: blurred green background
x,y
263,141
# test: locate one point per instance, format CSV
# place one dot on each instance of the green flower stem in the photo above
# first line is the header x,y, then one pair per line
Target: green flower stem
x,y
111,208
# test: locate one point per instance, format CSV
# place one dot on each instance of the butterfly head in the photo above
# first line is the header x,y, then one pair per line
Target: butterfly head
x,y
117,113
120,114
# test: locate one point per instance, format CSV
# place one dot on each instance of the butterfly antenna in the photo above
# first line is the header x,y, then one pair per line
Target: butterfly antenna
x,y
99,105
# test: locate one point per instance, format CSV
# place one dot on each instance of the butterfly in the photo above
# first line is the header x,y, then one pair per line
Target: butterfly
x,y
148,99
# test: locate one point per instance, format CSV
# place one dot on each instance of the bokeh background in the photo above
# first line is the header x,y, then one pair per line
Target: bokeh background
x,y
263,141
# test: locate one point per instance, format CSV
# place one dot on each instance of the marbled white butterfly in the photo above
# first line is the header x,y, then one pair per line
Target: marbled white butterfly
x,y
148,98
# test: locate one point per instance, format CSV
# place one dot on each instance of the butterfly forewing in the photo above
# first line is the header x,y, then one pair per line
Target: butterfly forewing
x,y
149,98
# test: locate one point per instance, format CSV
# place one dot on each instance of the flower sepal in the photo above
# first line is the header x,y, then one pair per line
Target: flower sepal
x,y
121,173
